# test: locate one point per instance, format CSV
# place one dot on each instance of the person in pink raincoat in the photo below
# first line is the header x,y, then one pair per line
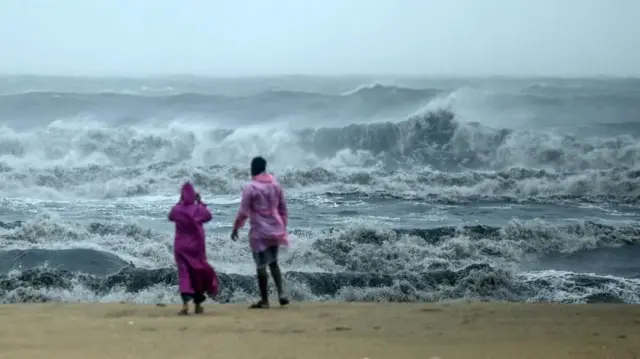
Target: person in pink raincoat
x,y
195,275
264,204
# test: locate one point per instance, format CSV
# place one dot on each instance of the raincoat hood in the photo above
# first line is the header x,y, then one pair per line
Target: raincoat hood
x,y
188,194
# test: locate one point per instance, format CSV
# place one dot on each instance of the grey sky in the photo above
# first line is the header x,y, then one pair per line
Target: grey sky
x,y
267,37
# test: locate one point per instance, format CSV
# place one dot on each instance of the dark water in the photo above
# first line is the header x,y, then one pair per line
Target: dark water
x,y
405,190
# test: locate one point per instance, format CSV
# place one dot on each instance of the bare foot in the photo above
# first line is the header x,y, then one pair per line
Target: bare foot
x,y
199,309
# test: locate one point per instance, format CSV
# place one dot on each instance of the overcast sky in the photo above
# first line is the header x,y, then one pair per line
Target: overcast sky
x,y
268,37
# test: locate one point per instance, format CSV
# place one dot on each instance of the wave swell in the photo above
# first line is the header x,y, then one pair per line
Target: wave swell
x,y
361,263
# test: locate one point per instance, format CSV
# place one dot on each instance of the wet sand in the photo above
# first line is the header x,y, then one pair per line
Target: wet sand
x,y
321,330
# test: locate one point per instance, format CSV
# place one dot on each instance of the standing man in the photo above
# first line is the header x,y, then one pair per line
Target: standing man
x,y
264,204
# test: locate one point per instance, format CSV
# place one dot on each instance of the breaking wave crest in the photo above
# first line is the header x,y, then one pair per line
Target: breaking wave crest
x,y
428,155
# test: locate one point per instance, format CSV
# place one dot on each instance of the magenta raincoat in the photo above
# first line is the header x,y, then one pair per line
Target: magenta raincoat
x,y
195,274
264,204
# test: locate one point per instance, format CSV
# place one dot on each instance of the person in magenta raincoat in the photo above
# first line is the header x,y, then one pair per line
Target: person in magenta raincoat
x,y
196,276
264,205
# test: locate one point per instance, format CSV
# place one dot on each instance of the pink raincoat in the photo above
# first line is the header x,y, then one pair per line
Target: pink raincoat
x,y
195,274
264,204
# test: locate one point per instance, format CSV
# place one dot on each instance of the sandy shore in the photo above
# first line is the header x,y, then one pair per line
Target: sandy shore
x,y
327,330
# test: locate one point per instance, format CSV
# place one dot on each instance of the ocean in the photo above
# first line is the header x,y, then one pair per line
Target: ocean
x,y
399,189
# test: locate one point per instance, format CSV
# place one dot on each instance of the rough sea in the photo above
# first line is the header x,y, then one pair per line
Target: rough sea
x,y
399,189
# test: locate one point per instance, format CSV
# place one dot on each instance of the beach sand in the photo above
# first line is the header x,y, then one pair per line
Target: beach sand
x,y
321,330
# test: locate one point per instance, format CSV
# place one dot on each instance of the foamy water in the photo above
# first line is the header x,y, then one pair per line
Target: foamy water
x,y
429,191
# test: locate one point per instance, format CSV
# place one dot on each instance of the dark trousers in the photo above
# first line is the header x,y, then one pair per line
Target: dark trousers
x,y
197,298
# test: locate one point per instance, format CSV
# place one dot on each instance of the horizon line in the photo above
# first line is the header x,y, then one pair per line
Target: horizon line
x,y
320,76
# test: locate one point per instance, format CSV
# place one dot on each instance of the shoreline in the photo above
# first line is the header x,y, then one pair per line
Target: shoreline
x,y
322,330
